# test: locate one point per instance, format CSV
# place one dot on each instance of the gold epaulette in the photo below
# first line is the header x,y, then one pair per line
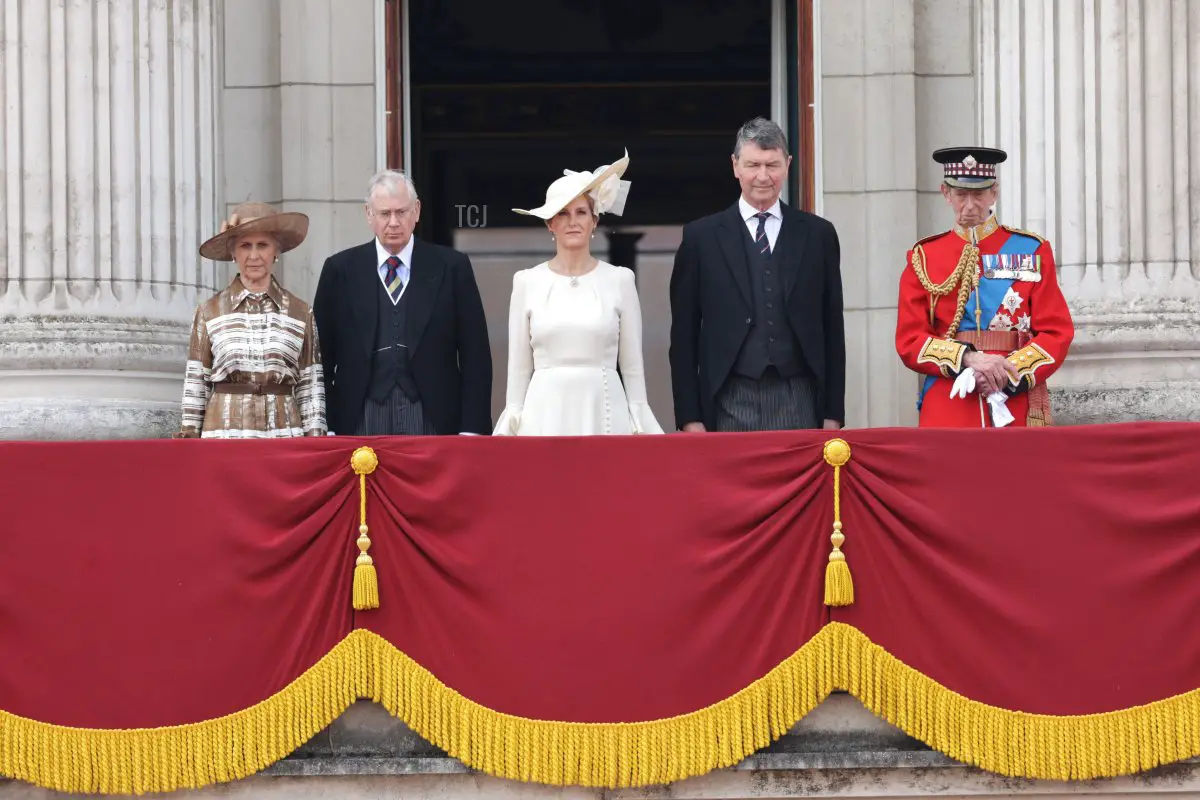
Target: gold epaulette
x,y
928,239
917,262
1031,234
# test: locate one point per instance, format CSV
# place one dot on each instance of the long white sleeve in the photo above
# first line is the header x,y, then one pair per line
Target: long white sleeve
x,y
520,359
629,355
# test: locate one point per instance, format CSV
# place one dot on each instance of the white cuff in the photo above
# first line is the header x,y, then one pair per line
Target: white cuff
x,y
641,419
509,423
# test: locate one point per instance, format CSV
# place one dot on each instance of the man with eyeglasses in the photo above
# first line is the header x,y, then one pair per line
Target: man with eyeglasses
x,y
403,334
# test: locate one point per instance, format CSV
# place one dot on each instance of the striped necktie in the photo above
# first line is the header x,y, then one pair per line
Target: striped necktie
x,y
760,238
392,279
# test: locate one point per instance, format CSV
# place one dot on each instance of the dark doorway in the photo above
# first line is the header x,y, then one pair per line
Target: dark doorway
x,y
503,97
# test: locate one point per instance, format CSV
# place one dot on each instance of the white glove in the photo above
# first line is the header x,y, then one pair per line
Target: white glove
x,y
1001,416
964,384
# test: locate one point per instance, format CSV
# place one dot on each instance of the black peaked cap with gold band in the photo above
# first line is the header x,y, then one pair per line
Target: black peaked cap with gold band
x,y
970,167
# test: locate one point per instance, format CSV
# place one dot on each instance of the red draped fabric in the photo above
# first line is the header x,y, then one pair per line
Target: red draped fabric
x,y
1055,571
155,583
606,580
596,580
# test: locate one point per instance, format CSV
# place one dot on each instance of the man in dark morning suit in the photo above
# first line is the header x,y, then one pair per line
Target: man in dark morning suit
x,y
404,339
757,335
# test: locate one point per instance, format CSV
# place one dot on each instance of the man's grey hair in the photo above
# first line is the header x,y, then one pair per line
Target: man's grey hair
x,y
762,132
390,181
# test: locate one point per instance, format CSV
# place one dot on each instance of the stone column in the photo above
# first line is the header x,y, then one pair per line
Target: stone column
x,y
1098,104
869,188
107,190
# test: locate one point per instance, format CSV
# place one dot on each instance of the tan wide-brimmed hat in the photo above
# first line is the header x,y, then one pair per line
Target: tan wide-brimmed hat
x,y
604,184
290,227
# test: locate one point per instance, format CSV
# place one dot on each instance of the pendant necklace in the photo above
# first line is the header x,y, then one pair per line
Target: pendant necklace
x,y
574,278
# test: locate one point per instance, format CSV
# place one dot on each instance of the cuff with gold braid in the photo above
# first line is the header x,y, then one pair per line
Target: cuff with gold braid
x,y
946,354
1027,360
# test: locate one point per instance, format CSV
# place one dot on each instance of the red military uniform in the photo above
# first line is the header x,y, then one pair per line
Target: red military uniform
x,y
1012,306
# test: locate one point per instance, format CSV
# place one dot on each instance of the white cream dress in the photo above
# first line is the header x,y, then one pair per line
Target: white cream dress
x,y
566,337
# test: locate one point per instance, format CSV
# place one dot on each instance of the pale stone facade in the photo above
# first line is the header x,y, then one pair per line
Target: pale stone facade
x,y
121,158
1099,104
110,181
131,126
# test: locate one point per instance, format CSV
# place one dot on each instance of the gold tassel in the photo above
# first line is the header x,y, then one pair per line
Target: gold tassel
x,y
366,582
1039,407
839,584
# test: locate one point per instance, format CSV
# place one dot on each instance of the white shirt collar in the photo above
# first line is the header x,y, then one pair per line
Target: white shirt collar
x,y
382,255
748,211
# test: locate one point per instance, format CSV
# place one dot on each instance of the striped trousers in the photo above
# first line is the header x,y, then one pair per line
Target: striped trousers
x,y
771,403
395,416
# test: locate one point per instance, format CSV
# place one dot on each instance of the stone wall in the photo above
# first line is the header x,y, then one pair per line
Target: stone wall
x,y
1098,104
867,147
122,158
130,128
303,127
110,121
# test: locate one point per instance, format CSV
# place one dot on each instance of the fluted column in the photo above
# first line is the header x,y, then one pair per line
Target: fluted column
x,y
108,183
1098,104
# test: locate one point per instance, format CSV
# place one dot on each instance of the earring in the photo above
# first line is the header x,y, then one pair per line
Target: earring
x,y
552,237
593,236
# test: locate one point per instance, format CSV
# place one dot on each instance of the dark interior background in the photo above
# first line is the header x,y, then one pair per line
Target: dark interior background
x,y
500,108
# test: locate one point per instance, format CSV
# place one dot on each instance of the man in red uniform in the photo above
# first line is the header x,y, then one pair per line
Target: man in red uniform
x,y
981,314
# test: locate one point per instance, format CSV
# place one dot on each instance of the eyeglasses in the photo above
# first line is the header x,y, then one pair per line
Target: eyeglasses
x,y
399,215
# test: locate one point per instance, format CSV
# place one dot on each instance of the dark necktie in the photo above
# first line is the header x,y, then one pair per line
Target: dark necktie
x,y
394,284
760,238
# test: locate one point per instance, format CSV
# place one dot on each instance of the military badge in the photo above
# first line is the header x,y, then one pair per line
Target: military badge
x,y
1012,266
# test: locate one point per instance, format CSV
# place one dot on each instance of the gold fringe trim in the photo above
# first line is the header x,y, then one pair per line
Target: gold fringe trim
x,y
613,755
607,754
1014,743
146,760
618,755
365,665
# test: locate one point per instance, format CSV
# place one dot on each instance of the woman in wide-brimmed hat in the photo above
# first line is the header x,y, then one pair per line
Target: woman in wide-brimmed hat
x,y
254,362
573,320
